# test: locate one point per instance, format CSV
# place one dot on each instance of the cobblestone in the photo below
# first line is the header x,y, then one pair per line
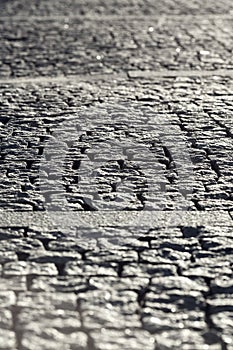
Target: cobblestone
x,y
99,7
46,47
204,126
116,175
132,300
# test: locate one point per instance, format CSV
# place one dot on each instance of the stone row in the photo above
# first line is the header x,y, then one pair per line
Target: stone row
x,y
47,47
119,146
165,288
120,7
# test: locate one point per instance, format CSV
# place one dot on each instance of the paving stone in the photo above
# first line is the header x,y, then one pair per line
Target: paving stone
x,y
120,7
7,300
7,256
55,257
120,300
6,321
8,341
211,169
52,339
85,269
209,267
184,339
224,321
21,268
66,285
148,270
219,302
125,339
116,175
11,233
62,320
152,256
47,47
13,283
47,301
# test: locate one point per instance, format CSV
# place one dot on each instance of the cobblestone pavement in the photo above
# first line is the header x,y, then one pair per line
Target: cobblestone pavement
x,y
45,46
116,165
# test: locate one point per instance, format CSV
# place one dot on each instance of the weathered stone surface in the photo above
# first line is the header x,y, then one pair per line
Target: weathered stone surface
x,y
47,47
116,175
185,339
132,297
8,341
120,7
203,125
52,339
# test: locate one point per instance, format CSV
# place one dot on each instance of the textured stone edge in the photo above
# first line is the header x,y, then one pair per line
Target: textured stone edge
x,y
130,75
115,218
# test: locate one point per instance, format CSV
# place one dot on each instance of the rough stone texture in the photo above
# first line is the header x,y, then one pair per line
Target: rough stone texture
x,y
172,282
47,47
113,7
116,175
197,110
